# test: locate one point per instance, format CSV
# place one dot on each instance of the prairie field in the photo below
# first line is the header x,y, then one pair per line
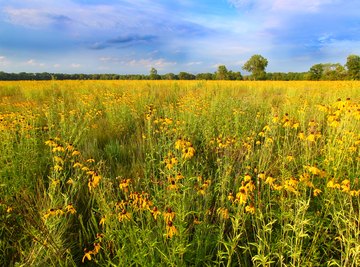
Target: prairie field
x,y
179,173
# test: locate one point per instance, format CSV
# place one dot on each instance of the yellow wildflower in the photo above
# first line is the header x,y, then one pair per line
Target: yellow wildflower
x,y
70,209
75,153
172,185
169,215
270,180
345,185
261,175
247,177
188,152
170,229
124,216
250,209
94,181
155,213
124,185
87,255
58,168
311,137
316,192
77,164
223,213
241,196
102,221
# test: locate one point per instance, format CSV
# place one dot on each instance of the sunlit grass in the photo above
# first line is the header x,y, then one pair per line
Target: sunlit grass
x,y
179,173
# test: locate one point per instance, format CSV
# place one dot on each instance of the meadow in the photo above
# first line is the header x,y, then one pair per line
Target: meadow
x,y
179,173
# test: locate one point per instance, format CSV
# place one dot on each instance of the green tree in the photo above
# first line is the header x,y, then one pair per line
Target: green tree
x,y
256,65
154,74
234,76
353,67
186,76
222,73
316,72
205,76
333,72
169,76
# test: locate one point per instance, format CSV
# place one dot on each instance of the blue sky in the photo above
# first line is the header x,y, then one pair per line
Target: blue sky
x,y
131,36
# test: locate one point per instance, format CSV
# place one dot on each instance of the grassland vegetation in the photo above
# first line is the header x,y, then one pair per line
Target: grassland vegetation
x,y
179,173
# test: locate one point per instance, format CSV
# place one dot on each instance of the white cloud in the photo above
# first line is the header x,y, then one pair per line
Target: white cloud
x,y
300,6
194,63
240,3
34,63
43,14
149,62
75,65
3,61
281,5
159,63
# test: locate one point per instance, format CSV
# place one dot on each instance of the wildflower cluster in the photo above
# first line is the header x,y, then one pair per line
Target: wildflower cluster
x,y
186,148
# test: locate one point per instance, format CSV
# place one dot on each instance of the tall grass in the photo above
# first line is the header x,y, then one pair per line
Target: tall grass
x,y
179,173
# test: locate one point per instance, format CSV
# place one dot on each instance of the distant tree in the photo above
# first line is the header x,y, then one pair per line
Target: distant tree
x,y
154,74
316,72
235,76
333,72
169,76
353,67
205,76
222,73
256,65
186,76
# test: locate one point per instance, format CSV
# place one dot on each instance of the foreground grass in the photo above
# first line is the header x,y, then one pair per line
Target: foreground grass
x,y
145,173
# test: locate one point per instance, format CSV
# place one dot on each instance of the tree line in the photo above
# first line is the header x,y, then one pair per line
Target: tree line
x,y
256,66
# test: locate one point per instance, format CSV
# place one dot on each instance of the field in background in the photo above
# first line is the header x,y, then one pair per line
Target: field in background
x,y
179,173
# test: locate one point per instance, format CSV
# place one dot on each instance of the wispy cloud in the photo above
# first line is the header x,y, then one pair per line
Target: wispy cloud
x,y
124,41
3,61
159,63
75,65
125,33
34,63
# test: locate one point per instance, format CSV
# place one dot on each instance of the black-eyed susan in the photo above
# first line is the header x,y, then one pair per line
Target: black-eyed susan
x,y
155,212
169,215
301,135
121,204
250,209
170,229
270,180
196,220
124,185
223,213
241,196
75,153
70,209
172,184
124,215
102,221
77,165
317,192
94,181
262,176
345,185
247,177
188,152
58,168
87,255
